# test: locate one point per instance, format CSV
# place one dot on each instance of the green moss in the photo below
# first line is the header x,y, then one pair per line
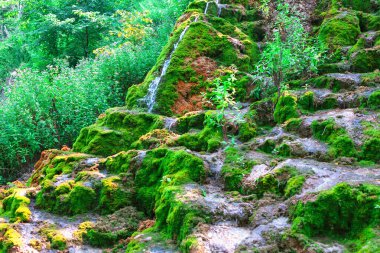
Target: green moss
x,y
360,44
157,183
284,150
116,131
343,146
246,131
114,195
234,169
370,150
294,185
286,108
306,101
16,208
340,29
68,198
155,139
374,100
366,60
344,211
360,5
10,238
293,125
164,166
208,139
81,199
120,162
286,181
268,146
326,130
369,21
56,239
190,121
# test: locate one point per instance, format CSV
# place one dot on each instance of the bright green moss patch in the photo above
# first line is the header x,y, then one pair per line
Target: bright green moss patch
x,y
286,108
234,169
343,212
16,208
343,146
10,238
163,165
120,162
339,141
114,195
340,29
116,132
208,139
326,130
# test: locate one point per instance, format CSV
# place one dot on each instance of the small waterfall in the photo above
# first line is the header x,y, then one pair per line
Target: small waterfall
x,y
169,123
220,7
150,98
207,5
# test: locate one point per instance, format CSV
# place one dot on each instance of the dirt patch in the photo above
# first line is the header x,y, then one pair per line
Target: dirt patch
x,y
187,100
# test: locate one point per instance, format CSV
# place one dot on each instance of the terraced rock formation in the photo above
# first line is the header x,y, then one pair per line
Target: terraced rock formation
x,y
301,176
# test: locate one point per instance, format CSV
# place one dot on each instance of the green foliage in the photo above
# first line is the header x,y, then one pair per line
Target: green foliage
x,y
344,211
222,97
288,54
47,108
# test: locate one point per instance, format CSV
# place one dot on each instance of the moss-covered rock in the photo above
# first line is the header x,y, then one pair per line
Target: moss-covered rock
x,y
370,150
285,181
340,29
374,100
344,211
10,238
234,169
286,108
366,60
306,101
56,239
116,131
208,139
114,195
15,206
207,45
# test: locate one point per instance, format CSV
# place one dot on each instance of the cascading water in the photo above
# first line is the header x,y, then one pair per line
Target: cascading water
x,y
150,98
